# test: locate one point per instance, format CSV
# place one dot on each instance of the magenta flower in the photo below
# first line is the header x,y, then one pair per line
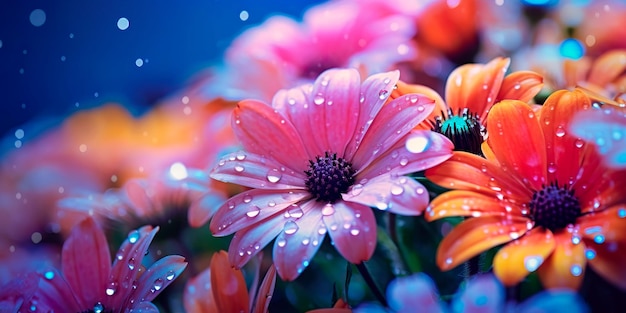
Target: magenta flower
x,y
317,159
88,282
284,53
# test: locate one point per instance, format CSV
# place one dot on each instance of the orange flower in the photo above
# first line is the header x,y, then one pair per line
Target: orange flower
x,y
222,288
605,75
542,192
471,91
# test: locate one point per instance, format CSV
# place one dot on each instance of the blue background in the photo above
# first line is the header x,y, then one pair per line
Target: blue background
x,y
79,58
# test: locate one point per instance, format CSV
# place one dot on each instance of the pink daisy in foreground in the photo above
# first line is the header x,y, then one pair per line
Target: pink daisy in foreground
x,y
89,283
317,159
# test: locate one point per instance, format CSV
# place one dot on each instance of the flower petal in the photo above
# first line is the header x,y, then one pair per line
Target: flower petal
x,y
295,247
198,294
279,140
145,307
608,67
251,207
374,92
415,291
440,105
395,119
398,194
565,267
334,101
575,71
605,226
482,294
608,260
521,85
476,235
158,277
54,294
352,228
417,151
468,203
470,172
476,86
520,257
516,139
249,241
86,262
228,285
127,263
266,291
255,171
564,152
203,208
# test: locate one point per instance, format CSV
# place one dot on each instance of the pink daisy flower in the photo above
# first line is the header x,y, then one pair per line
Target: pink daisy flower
x,y
283,53
317,159
89,283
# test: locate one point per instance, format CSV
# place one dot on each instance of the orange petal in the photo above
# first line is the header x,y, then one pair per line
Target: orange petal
x,y
468,203
228,284
476,235
607,67
565,267
563,150
440,106
266,290
476,86
488,153
608,261
519,258
198,296
517,141
471,172
606,226
522,85
575,72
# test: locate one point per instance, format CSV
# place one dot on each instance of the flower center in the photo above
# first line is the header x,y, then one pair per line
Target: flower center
x,y
463,129
314,69
328,177
554,207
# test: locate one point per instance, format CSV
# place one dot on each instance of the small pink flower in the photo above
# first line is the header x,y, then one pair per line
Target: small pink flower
x,y
317,159
89,283
283,53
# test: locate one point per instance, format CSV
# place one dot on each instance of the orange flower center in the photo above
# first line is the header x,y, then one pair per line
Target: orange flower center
x,y
328,177
464,129
554,207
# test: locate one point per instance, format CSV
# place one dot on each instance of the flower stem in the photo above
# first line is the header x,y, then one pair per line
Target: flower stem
x,y
369,280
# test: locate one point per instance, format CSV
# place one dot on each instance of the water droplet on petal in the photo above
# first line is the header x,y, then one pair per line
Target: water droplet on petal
x,y
133,236
273,175
590,254
240,156
170,275
551,168
318,99
532,263
131,264
356,189
253,211
247,198
328,210
396,190
579,143
98,308
599,239
404,161
158,284
575,239
560,132
111,288
239,168
354,232
383,94
49,275
295,212
281,242
449,261
290,227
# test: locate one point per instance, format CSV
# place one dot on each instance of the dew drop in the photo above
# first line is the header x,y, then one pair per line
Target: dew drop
x,y
240,156
111,288
158,284
590,254
318,99
396,190
575,239
98,308
322,230
133,236
254,211
328,210
383,94
449,261
281,242
170,275
290,227
517,86
239,168
404,161
354,232
295,212
247,198
551,168
599,239
273,175
49,275
560,132
131,264
579,143
532,263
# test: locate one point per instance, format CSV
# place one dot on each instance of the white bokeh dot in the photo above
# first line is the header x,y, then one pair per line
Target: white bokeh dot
x,y
36,237
63,58
243,15
139,62
82,148
37,17
71,35
0,43
18,143
19,133
123,23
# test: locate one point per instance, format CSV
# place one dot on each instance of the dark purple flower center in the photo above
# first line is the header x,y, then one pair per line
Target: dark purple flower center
x,y
464,129
554,207
328,177
314,69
